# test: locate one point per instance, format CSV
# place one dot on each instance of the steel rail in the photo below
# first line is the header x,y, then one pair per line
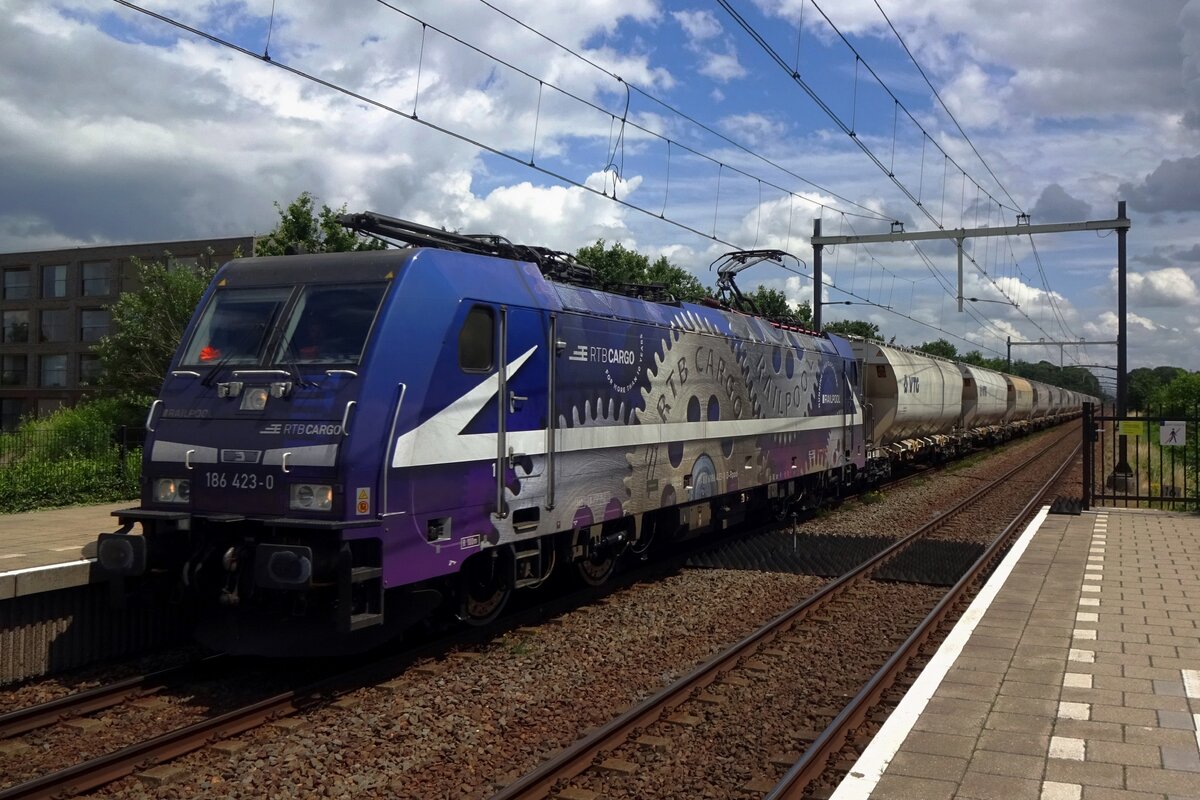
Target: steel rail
x,y
815,758
23,720
578,757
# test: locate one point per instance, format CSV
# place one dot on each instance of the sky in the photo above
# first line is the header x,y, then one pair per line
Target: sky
x,y
684,129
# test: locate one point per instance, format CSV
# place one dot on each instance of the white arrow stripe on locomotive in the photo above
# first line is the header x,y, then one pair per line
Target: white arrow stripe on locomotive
x,y
445,426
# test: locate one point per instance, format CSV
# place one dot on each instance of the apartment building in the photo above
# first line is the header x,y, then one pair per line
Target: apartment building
x,y
53,308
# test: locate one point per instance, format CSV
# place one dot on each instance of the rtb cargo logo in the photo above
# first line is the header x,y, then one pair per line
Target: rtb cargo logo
x,y
603,355
622,365
302,429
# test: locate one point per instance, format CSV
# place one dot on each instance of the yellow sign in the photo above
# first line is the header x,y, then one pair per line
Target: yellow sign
x,y
1132,427
363,506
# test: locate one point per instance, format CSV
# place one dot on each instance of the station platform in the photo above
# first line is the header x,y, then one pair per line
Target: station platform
x,y
51,549
1074,675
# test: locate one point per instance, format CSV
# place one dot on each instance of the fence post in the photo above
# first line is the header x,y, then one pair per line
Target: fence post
x,y
123,446
1089,434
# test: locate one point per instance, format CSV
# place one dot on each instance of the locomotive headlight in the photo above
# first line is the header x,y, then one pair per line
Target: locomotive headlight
x,y
254,399
311,497
172,490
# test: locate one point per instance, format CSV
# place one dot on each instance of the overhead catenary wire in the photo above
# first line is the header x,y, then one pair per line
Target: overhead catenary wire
x,y
946,108
373,102
867,212
496,151
795,76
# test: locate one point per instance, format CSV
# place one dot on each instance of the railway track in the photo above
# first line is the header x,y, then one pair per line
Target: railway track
x,y
103,769
613,760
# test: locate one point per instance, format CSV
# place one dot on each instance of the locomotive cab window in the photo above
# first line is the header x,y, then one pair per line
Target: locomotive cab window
x,y
476,340
329,324
235,326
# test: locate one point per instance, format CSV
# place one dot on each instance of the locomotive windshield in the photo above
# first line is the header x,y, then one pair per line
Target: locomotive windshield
x,y
312,324
236,325
329,324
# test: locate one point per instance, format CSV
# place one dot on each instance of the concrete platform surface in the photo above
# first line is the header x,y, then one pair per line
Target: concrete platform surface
x,y
1075,675
51,549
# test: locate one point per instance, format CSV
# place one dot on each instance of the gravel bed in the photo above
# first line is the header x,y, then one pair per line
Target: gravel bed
x,y
464,726
51,748
984,521
749,727
893,512
43,690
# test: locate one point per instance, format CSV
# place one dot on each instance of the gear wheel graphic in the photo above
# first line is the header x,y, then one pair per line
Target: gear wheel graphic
x,y
589,485
695,378
689,320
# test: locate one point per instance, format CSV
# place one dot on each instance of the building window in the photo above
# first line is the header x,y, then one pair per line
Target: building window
x,y
97,280
56,325
89,369
54,372
93,324
16,284
14,327
14,370
183,262
11,409
54,281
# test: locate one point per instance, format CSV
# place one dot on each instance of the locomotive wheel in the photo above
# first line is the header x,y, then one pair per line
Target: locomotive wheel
x,y
596,571
484,589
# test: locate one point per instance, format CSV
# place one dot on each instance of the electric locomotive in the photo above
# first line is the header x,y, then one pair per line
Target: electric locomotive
x,y
344,442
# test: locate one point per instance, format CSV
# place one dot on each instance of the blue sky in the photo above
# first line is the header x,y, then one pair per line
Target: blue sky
x,y
118,127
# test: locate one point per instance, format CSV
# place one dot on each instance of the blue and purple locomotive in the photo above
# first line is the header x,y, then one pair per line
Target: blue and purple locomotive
x,y
346,441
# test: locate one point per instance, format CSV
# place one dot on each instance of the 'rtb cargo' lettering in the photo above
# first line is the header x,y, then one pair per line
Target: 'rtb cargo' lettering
x,y
312,429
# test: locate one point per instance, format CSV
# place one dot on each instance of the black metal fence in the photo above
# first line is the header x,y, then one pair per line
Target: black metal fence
x,y
41,468
1141,461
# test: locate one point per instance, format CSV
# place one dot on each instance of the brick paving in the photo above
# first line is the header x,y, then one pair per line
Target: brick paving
x,y
1080,679
53,548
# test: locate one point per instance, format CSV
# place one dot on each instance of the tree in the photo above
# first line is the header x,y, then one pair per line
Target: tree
x,y
773,304
1181,397
147,324
854,327
939,347
302,228
618,265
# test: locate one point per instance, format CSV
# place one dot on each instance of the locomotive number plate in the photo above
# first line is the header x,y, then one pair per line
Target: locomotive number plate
x,y
246,481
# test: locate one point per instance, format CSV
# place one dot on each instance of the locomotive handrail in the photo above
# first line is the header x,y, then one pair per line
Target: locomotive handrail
x,y
150,415
389,452
237,373
350,404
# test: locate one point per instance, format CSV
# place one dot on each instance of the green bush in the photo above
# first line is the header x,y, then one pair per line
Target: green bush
x,y
68,458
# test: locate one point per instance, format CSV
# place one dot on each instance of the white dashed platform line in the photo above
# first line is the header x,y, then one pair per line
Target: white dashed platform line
x,y
1068,748
865,774
1052,790
1080,711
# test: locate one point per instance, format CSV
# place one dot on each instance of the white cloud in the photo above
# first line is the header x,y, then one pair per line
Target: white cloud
x,y
1160,288
698,25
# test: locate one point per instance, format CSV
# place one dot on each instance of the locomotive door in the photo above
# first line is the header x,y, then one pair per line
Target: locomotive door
x,y
523,417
